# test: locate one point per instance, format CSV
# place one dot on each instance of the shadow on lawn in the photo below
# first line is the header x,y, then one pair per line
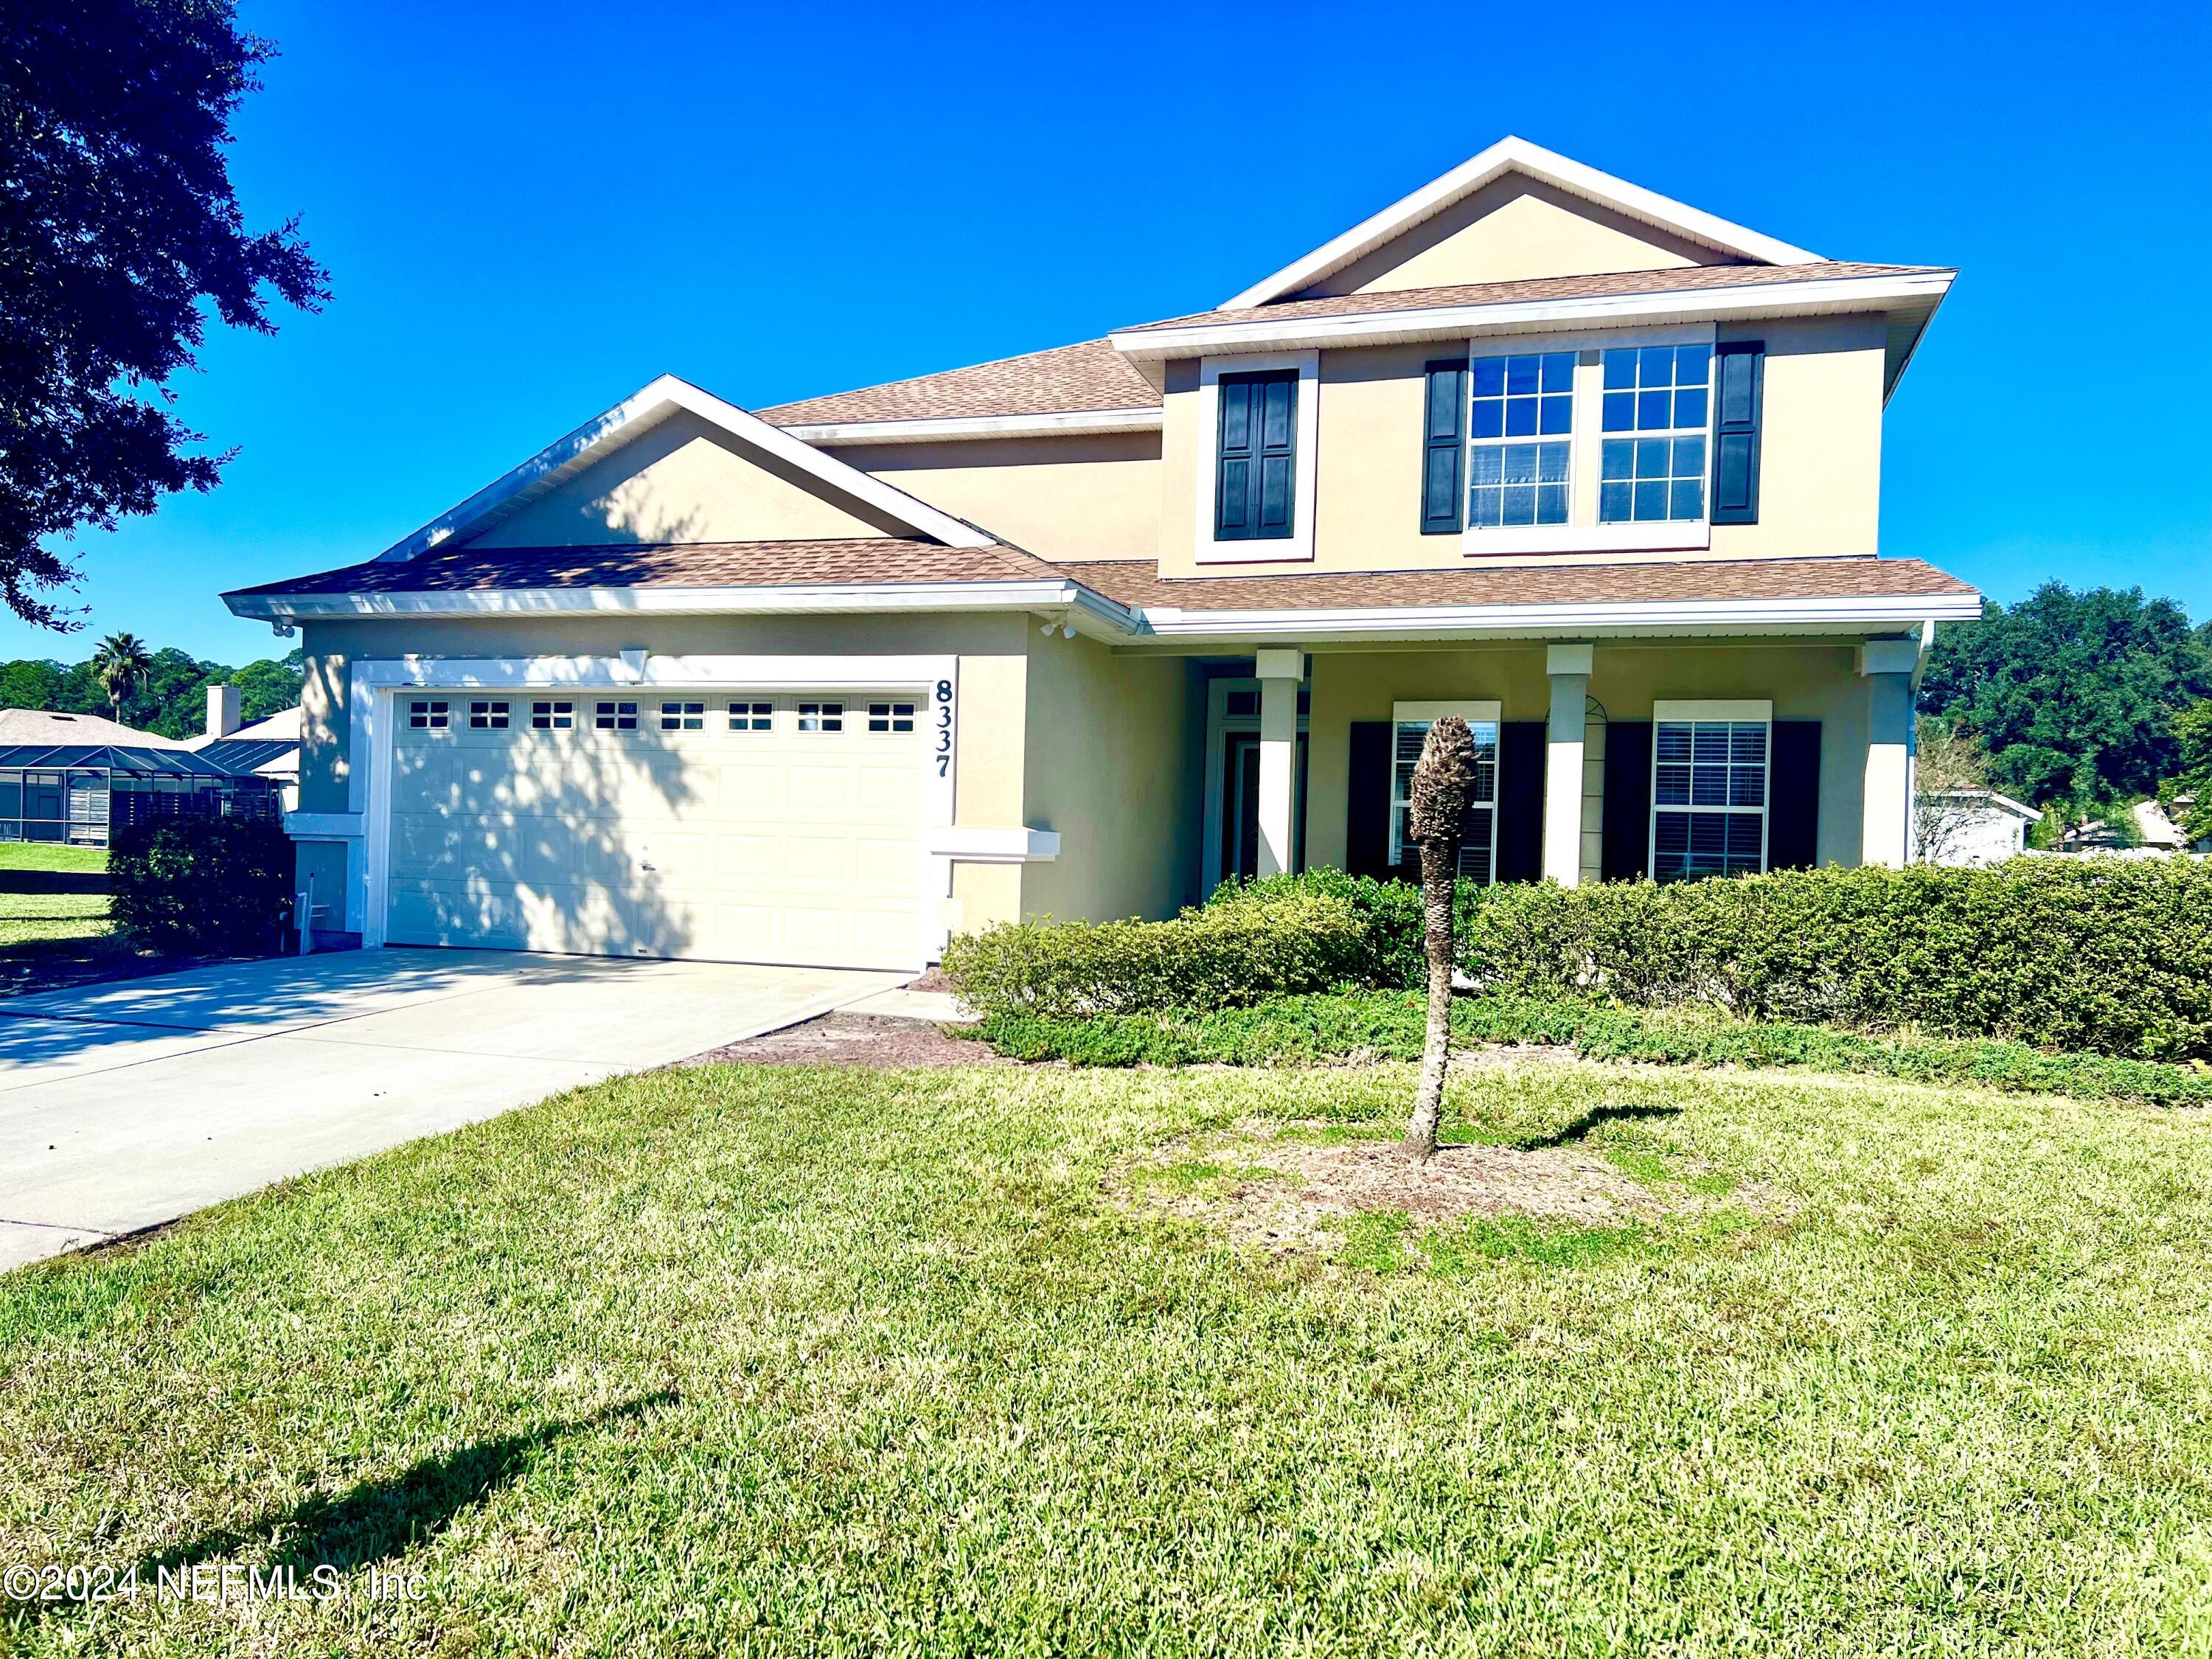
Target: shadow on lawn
x,y
374,1520
1580,1129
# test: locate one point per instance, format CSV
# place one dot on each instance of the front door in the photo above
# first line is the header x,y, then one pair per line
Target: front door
x,y
1240,805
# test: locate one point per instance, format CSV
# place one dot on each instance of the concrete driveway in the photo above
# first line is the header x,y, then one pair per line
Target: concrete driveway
x,y
131,1104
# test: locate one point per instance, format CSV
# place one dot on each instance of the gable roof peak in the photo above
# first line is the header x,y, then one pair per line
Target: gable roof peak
x,y
658,400
1518,156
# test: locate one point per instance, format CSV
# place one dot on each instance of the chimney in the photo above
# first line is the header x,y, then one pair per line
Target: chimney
x,y
222,711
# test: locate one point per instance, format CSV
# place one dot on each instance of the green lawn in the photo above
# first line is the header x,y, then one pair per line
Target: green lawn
x,y
31,918
788,1360
48,855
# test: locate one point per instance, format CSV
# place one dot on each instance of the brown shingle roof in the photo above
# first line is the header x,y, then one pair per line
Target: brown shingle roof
x,y
1088,375
1689,277
1137,583
885,559
692,564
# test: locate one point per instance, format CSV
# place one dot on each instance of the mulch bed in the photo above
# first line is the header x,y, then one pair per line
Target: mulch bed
x,y
862,1040
62,964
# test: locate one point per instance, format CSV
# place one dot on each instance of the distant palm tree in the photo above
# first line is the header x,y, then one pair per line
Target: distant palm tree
x,y
122,665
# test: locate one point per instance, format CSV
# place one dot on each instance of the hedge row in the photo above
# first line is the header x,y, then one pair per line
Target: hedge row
x,y
2107,956
1388,1025
211,885
1219,957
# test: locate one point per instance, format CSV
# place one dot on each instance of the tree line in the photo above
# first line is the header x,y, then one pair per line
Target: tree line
x,y
163,691
2077,702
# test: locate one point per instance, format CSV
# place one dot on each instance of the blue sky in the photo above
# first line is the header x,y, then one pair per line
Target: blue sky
x,y
528,210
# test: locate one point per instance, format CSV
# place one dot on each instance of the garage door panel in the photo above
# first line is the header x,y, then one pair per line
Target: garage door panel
x,y
772,845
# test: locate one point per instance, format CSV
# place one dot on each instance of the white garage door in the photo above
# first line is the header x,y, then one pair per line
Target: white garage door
x,y
728,825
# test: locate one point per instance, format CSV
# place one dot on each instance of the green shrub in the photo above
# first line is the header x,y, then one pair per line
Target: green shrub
x,y
1309,1031
217,886
2105,956
1211,958
1392,956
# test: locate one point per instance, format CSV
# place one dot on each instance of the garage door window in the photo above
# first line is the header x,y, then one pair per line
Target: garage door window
x,y
616,717
488,716
552,716
891,717
752,717
682,716
426,715
822,717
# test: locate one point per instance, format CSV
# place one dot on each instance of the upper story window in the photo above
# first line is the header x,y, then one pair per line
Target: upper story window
x,y
1519,424
1256,468
1662,395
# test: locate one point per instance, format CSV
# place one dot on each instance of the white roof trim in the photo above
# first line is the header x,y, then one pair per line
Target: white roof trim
x,y
2006,803
1567,621
1809,298
1511,155
1088,611
1101,617
639,413
939,427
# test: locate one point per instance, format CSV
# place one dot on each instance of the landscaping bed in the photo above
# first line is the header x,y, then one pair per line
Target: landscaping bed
x,y
787,1359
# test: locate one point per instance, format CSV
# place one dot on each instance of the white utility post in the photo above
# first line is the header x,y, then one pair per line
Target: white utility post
x,y
1569,666
1888,667
1279,673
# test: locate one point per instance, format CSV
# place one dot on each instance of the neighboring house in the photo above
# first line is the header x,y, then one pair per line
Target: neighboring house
x,y
73,778
268,748
1969,827
1081,632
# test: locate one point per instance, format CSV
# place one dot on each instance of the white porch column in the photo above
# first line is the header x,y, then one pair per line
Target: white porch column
x,y
1888,667
1569,666
1279,672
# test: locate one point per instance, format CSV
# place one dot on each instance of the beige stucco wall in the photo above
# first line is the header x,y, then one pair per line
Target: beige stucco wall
x,y
1819,457
1079,496
1109,767
994,669
687,481
1816,680
1511,229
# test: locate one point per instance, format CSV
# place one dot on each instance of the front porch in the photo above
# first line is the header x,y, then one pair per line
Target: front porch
x,y
1602,762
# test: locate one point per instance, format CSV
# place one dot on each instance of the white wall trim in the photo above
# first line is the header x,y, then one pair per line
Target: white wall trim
x,y
1513,155
941,428
639,413
973,845
375,683
1300,543
1813,297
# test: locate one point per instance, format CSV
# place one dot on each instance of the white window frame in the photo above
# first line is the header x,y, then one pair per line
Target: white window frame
x,y
1503,349
689,716
755,709
1298,545
1583,533
915,717
1474,713
1744,711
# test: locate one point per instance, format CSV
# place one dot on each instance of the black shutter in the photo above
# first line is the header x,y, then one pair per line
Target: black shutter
x,y
1255,473
1521,749
1739,372
1793,796
1628,838
1443,449
1367,806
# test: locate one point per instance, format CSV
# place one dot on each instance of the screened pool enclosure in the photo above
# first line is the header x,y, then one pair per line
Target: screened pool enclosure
x,y
78,794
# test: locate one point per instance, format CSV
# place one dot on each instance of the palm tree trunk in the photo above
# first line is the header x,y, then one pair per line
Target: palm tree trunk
x,y
1439,871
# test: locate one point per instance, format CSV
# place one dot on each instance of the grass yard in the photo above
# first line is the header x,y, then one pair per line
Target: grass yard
x,y
50,855
42,918
783,1359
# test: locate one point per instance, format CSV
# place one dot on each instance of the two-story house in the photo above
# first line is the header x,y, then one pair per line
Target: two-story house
x,y
1084,631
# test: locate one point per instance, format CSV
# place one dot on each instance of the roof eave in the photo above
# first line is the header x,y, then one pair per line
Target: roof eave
x,y
1813,297
1080,606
